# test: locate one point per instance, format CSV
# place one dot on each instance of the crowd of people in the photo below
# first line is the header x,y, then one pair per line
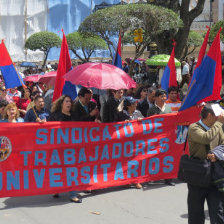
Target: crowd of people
x,y
34,104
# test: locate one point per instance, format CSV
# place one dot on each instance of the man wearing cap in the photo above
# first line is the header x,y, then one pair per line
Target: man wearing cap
x,y
203,135
129,112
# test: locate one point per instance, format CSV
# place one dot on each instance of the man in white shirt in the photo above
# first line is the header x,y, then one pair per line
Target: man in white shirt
x,y
185,74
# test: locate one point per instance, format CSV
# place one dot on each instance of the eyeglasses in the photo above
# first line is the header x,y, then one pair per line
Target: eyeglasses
x,y
145,90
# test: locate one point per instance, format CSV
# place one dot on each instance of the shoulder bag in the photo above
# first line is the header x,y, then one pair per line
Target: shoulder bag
x,y
195,171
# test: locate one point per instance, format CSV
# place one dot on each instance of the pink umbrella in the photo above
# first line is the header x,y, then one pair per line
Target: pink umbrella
x,y
101,76
48,78
141,59
32,78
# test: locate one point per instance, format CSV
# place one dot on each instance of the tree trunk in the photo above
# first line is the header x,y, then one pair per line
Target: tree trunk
x,y
164,40
187,17
45,59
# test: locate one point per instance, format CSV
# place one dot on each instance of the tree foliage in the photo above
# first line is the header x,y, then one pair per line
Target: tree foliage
x,y
107,23
194,40
214,30
86,43
43,41
187,16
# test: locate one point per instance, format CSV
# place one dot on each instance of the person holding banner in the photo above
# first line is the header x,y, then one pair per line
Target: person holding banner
x,y
37,113
81,109
160,107
62,110
207,131
128,113
11,114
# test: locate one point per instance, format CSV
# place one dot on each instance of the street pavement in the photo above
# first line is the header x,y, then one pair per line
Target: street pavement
x,y
156,203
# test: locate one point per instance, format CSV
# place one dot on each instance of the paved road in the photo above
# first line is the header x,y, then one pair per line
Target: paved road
x,y
155,204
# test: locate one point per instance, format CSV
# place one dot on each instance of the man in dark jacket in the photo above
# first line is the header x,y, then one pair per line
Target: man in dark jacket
x,y
81,109
144,105
110,110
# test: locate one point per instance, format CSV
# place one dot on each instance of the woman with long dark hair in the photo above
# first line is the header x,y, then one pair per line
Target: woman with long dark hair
x,y
62,110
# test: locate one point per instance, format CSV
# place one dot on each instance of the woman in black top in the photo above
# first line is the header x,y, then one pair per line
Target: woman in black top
x,y
62,110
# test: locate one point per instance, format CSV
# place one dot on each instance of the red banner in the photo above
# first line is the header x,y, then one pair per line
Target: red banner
x,y
63,156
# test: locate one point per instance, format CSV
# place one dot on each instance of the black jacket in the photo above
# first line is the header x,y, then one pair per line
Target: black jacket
x,y
80,113
218,168
143,107
110,110
59,116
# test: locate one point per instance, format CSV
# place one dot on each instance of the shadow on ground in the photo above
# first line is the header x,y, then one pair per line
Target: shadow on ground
x,y
49,200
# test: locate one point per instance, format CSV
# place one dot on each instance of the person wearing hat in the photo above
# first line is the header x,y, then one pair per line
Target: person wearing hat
x,y
128,113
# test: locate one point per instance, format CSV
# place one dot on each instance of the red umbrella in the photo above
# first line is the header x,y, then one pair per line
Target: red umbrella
x,y
101,76
48,78
32,78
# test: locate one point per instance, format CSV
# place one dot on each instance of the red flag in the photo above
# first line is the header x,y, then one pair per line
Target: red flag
x,y
203,49
11,77
215,54
207,79
169,77
64,66
171,64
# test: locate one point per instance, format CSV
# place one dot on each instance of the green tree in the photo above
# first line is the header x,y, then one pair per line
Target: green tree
x,y
214,29
187,15
43,41
87,43
127,18
194,40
